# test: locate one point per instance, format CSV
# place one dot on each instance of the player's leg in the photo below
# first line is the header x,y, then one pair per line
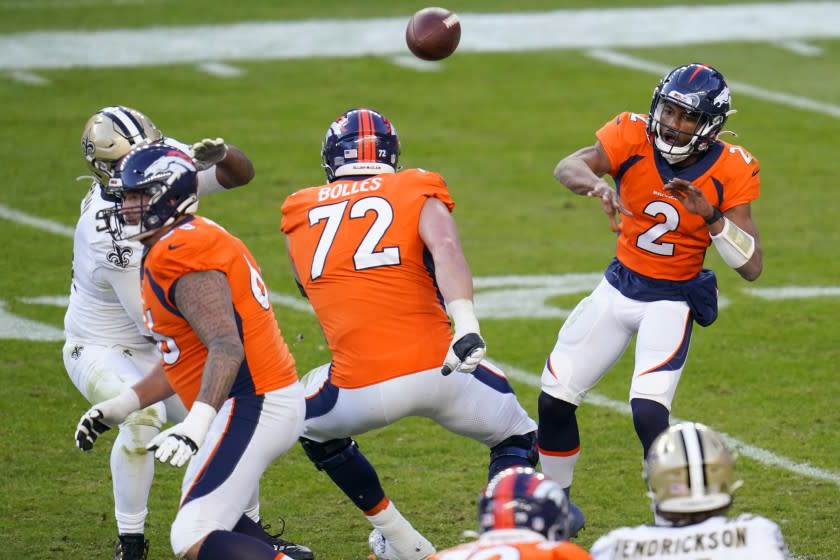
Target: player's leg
x,y
246,436
591,340
100,373
662,346
482,406
333,416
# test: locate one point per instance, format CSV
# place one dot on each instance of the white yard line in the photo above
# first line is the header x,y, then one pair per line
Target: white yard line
x,y
522,31
758,454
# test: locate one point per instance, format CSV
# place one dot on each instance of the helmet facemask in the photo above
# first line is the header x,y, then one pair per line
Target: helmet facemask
x,y
165,178
695,88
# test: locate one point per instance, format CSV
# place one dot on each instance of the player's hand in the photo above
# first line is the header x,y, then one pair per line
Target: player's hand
x,y
89,428
180,442
691,197
465,353
104,416
610,203
208,152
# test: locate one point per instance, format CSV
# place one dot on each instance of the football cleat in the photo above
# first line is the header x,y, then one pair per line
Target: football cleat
x,y
132,546
290,549
417,548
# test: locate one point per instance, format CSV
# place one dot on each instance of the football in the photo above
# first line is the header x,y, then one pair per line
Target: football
x,y
433,33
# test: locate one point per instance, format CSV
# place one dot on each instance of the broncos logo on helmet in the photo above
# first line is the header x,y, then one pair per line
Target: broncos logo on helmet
x,y
522,498
360,142
110,134
690,473
699,89
166,175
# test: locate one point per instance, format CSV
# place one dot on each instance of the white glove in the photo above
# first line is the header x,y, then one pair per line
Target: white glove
x,y
104,416
209,152
467,348
180,442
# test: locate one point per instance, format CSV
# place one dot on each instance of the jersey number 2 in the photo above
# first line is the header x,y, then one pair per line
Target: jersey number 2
x,y
366,255
648,240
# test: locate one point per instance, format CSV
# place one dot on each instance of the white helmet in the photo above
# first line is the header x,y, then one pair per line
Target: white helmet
x,y
689,472
111,133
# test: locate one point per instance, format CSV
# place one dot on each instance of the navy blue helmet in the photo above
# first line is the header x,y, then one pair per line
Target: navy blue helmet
x,y
166,175
522,498
360,142
697,88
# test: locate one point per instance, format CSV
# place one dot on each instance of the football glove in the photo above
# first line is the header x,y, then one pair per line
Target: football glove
x,y
467,348
180,442
104,416
209,152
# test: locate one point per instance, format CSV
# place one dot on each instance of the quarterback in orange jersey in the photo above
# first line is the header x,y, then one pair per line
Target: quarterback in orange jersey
x,y
678,190
521,515
377,253
207,307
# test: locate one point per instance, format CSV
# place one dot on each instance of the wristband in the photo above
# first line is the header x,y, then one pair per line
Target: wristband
x,y
461,311
716,215
735,245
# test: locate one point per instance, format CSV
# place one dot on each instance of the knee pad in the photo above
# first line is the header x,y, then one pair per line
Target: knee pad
x,y
650,419
329,454
153,415
515,451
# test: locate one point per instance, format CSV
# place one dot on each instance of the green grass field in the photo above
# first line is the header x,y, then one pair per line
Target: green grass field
x,y
494,124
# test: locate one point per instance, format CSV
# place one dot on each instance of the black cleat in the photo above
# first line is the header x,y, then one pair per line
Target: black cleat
x,y
290,549
132,546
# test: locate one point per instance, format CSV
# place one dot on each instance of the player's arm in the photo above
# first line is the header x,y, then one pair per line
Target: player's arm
x,y
221,166
204,300
582,172
294,268
734,233
439,233
126,286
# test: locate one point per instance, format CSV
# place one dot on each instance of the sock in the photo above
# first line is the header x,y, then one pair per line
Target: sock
x,y
132,471
558,438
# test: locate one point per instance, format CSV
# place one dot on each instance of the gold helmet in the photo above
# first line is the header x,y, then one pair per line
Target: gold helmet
x,y
110,134
689,472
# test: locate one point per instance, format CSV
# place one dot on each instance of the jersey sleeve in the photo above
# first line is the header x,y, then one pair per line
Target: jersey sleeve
x,y
622,137
127,288
191,249
743,183
604,548
433,185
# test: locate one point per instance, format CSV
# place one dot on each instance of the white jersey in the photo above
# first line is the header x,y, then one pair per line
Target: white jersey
x,y
105,299
718,538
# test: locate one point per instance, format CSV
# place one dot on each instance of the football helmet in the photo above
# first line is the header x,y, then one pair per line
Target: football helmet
x,y
696,88
522,498
110,134
689,472
166,175
360,142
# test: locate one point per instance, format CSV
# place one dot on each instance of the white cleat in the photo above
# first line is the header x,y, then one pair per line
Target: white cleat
x,y
416,548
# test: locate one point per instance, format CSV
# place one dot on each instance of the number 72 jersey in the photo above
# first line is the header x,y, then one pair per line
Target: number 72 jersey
x,y
662,239
357,253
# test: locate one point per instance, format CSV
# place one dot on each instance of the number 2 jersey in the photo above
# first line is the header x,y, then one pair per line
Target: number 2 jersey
x,y
662,239
360,259
197,244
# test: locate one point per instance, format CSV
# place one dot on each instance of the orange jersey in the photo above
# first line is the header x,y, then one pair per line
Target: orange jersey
x,y
357,252
198,244
531,550
662,239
